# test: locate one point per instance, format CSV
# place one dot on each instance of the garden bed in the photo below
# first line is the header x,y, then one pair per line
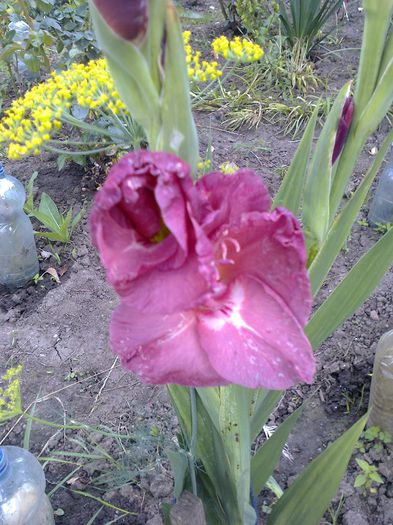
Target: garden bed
x,y
59,332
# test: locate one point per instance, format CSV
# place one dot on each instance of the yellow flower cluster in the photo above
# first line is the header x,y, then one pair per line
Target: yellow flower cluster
x,y
10,396
204,165
34,118
199,71
229,168
238,49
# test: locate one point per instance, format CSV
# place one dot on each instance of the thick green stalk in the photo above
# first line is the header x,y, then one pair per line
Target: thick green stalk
x,y
193,443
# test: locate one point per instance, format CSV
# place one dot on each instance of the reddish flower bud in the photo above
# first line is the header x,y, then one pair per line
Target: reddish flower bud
x,y
344,125
127,18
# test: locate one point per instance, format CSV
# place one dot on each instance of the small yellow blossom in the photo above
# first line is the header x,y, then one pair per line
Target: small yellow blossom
x,y
199,70
229,168
204,165
237,50
10,396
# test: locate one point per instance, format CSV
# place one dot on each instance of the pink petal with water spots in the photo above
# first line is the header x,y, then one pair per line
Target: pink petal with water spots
x,y
254,339
162,348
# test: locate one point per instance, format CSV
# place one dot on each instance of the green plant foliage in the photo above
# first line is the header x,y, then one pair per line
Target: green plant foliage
x,y
375,438
59,227
32,30
368,478
254,17
304,21
75,40
306,500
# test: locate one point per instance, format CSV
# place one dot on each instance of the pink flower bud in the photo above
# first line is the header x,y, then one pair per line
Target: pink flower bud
x,y
127,18
344,125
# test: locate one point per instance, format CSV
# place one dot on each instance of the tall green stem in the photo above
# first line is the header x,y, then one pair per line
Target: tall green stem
x,y
194,432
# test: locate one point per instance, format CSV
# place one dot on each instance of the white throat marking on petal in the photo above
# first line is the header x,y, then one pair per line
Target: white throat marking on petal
x,y
230,313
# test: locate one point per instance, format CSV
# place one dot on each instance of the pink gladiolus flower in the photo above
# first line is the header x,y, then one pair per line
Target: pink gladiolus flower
x,y
213,285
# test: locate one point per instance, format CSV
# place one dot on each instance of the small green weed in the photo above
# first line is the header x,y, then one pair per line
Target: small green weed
x,y
383,227
374,437
368,479
59,227
281,171
37,278
352,403
363,223
334,512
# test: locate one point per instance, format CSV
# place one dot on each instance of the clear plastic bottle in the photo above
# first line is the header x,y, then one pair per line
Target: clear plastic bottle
x,y
22,489
18,254
381,208
381,396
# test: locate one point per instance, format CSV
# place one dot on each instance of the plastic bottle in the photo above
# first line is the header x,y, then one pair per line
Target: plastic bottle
x,y
18,254
22,489
381,396
381,209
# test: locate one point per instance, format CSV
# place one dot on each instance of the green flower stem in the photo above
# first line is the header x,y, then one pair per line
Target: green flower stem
x,y
59,151
205,90
115,118
69,119
194,431
78,142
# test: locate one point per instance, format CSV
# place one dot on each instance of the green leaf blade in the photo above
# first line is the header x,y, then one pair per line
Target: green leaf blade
x,y
353,290
306,500
316,217
343,223
265,460
291,189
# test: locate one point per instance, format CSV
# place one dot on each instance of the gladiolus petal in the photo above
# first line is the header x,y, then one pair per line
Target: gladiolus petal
x,y
127,18
254,340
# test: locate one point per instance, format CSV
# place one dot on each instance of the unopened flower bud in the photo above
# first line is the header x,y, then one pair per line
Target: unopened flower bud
x,y
127,18
344,125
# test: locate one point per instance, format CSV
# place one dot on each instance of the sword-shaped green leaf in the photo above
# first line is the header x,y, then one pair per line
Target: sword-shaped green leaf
x,y
291,189
178,132
262,404
343,223
235,433
353,290
306,500
130,71
316,218
265,460
376,23
210,451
